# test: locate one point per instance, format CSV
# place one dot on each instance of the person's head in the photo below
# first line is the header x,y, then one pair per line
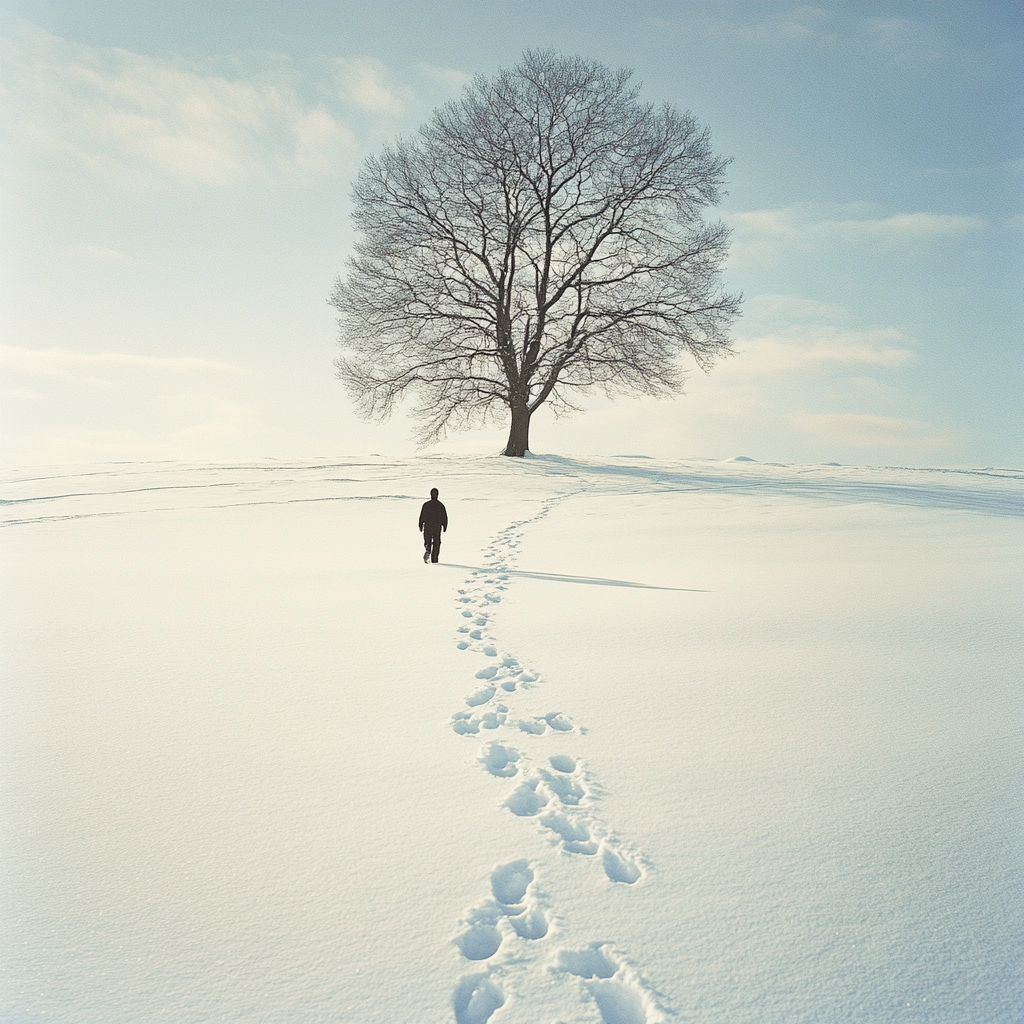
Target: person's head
x,y
433,492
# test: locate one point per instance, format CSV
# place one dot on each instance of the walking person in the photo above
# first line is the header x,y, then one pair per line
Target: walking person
x,y
433,519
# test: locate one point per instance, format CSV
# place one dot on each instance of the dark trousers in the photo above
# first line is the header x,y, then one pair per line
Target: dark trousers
x,y
432,541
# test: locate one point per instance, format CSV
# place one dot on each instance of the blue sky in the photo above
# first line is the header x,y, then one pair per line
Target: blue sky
x,y
174,211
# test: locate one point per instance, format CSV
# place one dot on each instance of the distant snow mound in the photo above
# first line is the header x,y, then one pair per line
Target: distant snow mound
x,y
741,458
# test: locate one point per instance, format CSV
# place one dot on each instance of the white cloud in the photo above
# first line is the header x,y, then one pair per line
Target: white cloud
x,y
796,222
786,333
61,362
903,226
858,430
364,83
132,117
798,359
805,346
318,140
759,234
449,78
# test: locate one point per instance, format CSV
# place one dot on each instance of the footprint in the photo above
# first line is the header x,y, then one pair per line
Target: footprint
x,y
531,924
565,787
562,763
476,998
479,942
618,866
525,801
558,722
587,963
511,885
620,1003
575,835
534,726
492,719
510,882
500,760
554,720
481,696
487,673
465,723
620,997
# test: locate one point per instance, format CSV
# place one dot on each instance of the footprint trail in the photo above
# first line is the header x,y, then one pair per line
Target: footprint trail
x,y
555,795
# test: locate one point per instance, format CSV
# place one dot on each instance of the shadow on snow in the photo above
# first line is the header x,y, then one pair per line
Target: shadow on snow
x,y
555,577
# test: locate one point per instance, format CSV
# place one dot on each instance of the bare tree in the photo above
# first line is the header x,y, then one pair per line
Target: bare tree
x,y
540,237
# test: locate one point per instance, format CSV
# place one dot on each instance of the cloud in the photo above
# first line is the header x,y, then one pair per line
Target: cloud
x,y
135,117
858,430
364,83
759,234
904,226
784,333
796,222
800,358
806,346
59,362
449,78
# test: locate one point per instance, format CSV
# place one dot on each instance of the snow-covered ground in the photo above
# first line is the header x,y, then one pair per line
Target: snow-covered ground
x,y
719,742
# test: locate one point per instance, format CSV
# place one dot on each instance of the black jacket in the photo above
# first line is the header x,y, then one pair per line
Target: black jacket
x,y
433,515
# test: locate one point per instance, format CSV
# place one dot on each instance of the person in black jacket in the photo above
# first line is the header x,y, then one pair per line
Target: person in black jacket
x,y
433,519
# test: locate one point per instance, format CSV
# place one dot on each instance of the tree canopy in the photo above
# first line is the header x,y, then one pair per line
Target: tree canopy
x,y
540,237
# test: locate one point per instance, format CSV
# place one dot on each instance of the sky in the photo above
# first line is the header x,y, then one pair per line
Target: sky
x,y
174,210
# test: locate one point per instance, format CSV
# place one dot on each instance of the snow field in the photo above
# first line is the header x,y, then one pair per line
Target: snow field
x,y
820,751
655,741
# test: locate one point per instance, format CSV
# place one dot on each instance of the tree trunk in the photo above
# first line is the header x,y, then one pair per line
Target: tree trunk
x,y
519,434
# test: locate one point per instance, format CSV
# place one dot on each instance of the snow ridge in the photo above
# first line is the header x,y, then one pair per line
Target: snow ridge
x,y
560,797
